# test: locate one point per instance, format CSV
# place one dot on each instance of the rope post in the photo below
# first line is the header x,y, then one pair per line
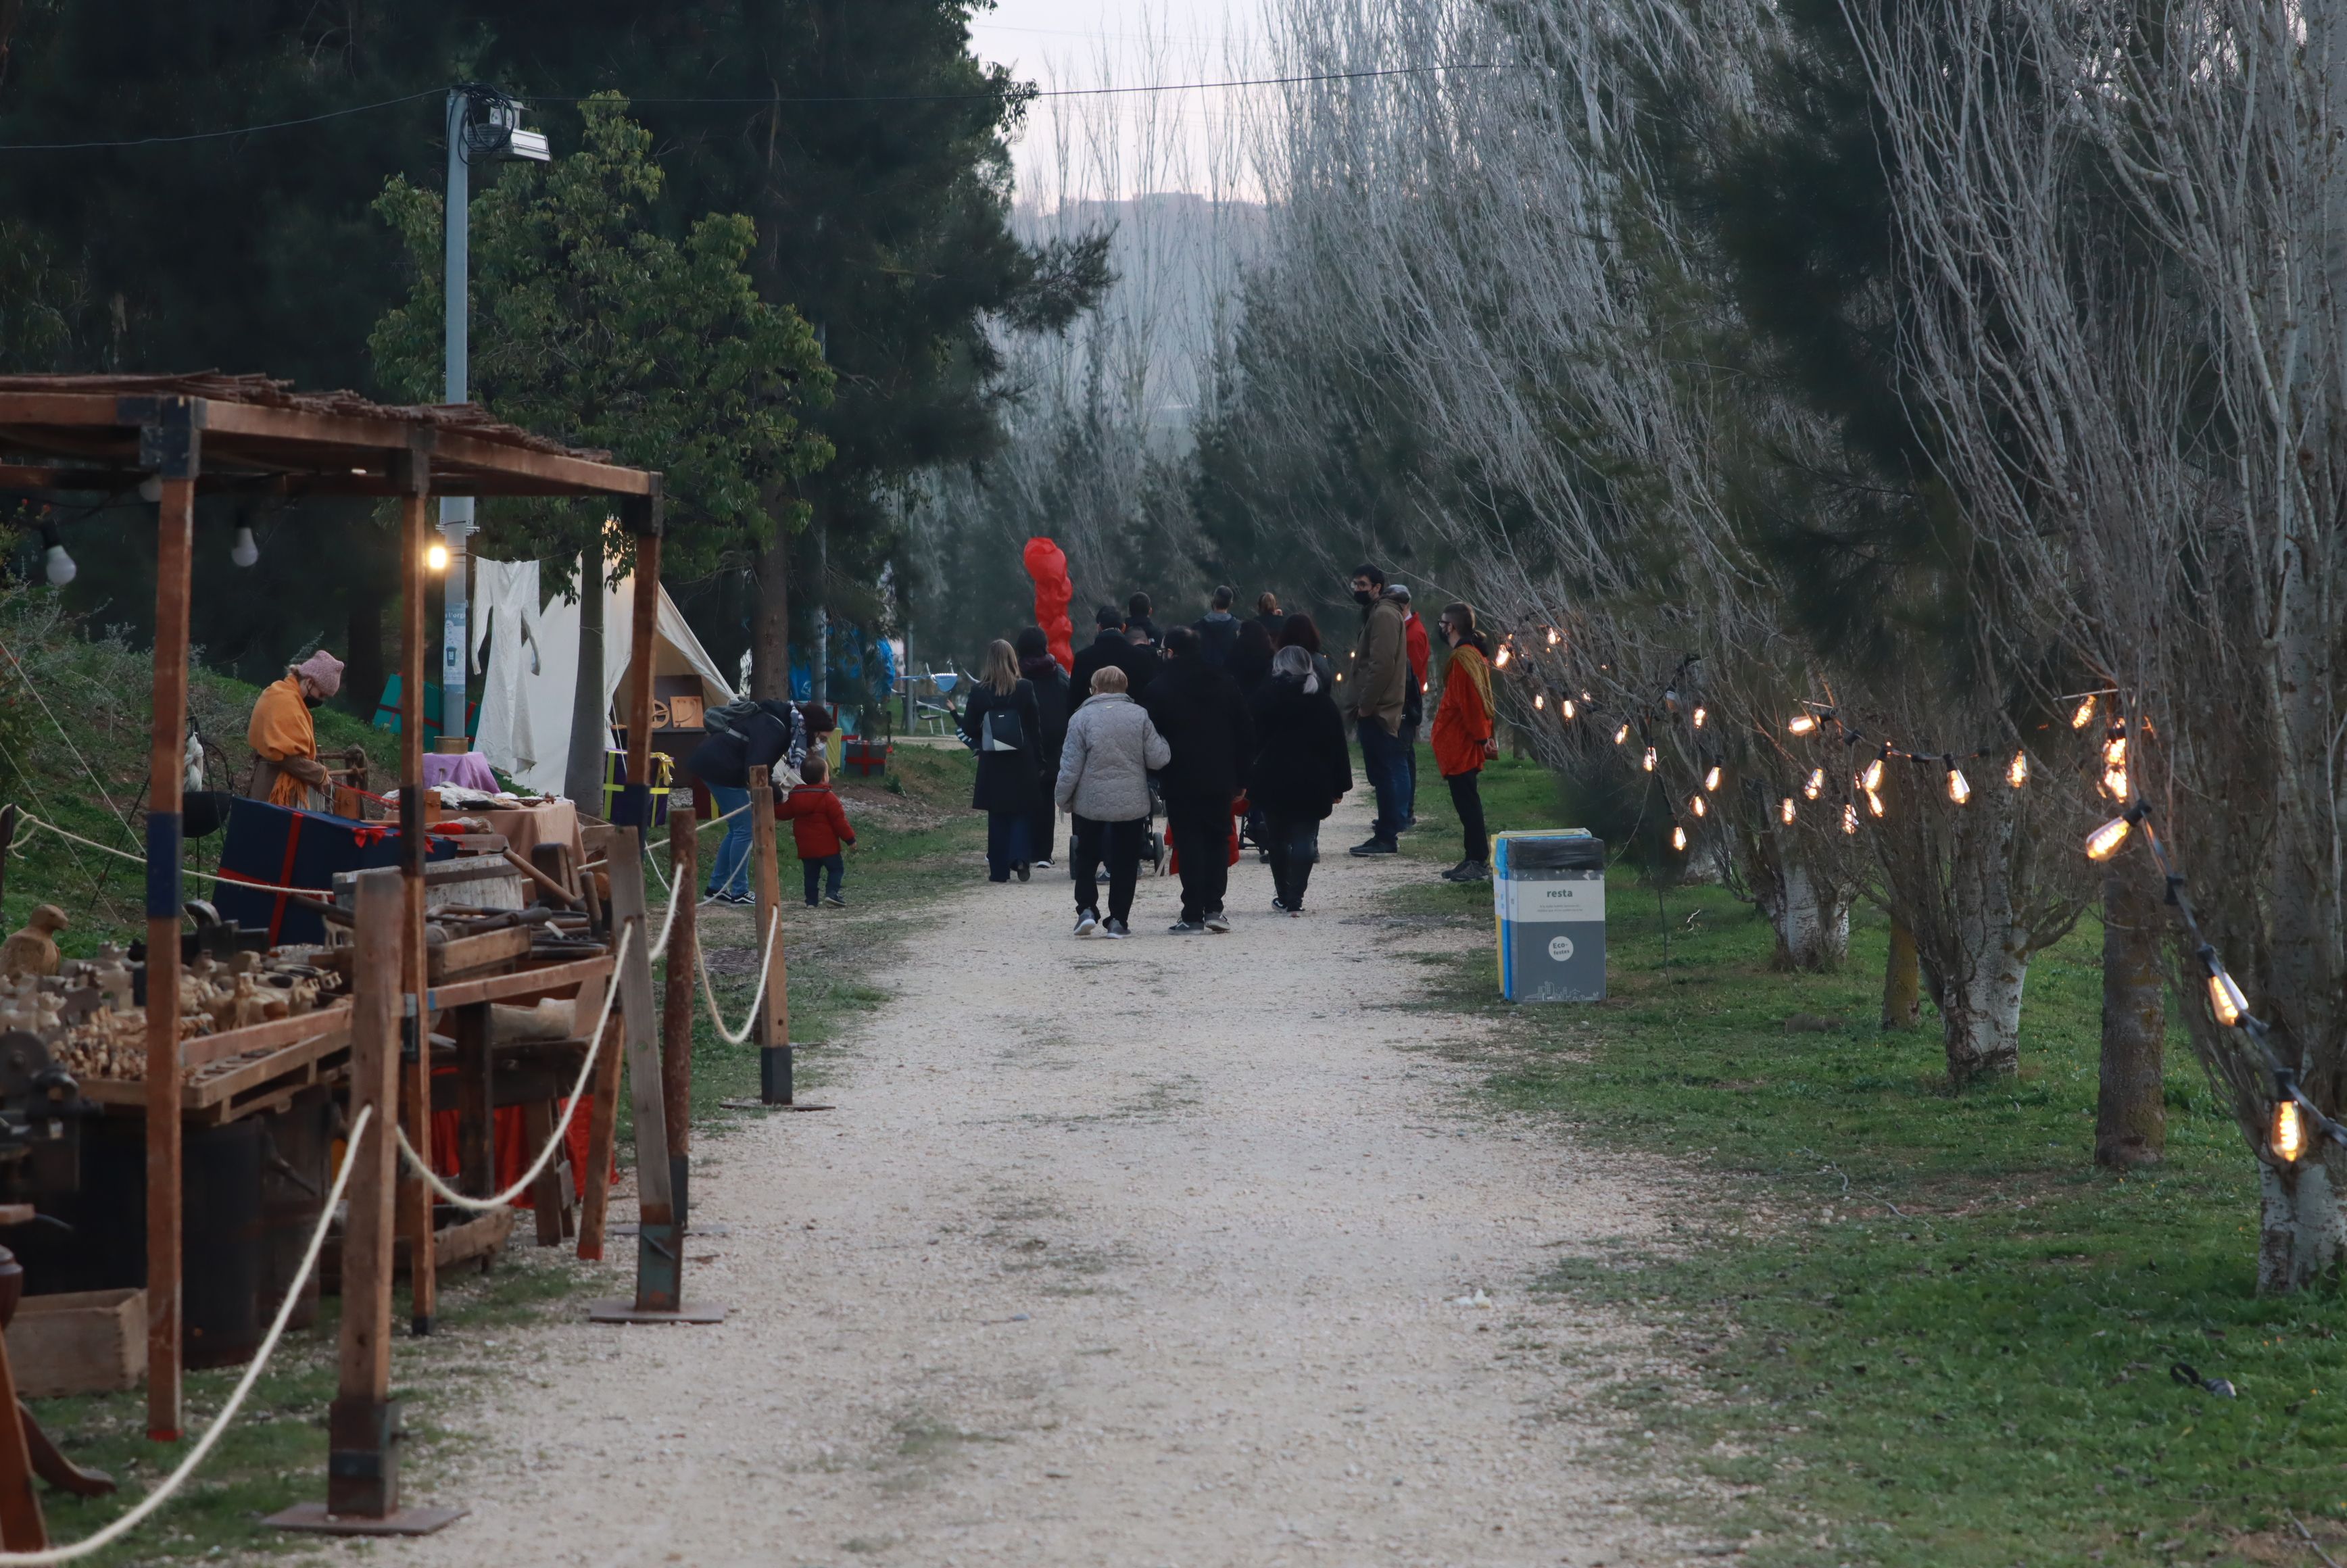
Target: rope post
x,y
772,1025
411,472
660,1237
641,517
362,1425
676,1000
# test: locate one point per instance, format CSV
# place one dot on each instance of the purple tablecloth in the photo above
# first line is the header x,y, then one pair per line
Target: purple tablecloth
x,y
467,770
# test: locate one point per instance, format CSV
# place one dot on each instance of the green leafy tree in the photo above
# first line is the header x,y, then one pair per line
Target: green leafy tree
x,y
591,326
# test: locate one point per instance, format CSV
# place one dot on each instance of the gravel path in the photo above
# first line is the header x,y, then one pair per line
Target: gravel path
x,y
1119,1254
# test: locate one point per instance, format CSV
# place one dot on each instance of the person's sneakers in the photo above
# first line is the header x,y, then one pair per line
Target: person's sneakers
x,y
1468,871
814,904
1186,928
1044,864
1378,846
1217,922
1113,927
1279,903
834,900
1087,922
739,900
1023,871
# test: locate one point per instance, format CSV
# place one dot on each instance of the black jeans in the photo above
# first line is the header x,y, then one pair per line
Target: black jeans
x,y
1408,738
1387,764
1119,843
1201,831
1006,843
1041,822
1295,846
813,870
1467,800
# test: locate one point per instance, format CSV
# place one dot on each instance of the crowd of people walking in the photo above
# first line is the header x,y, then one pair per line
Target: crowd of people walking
x,y
1207,725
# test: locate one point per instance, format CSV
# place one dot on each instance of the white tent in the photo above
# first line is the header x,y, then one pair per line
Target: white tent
x,y
525,726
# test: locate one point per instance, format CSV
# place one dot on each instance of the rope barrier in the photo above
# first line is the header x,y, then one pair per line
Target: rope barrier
x,y
504,1200
39,825
212,1434
765,968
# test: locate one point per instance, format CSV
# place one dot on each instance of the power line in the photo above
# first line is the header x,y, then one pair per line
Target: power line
x,y
763,102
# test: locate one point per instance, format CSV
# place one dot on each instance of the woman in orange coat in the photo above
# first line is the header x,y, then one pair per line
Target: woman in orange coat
x,y
1462,736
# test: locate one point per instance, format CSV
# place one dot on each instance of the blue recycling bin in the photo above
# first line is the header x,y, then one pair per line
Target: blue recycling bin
x,y
1548,898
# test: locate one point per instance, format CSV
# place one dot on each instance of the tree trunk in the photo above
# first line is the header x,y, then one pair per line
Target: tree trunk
x,y
2130,1110
582,773
2301,1234
1812,920
1902,979
770,621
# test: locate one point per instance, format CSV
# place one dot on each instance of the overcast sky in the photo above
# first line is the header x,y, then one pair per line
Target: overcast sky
x,y
1092,43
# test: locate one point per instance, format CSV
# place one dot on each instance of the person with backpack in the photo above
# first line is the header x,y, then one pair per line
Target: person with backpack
x,y
1302,766
1103,783
1198,709
1052,700
1002,723
736,738
1463,736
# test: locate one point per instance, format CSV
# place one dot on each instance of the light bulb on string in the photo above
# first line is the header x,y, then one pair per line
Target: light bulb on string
x,y
2016,772
1817,785
1622,736
1701,713
1555,636
1873,803
1848,816
436,555
2115,783
1711,778
1802,725
2085,715
243,551
1539,703
1678,837
1650,759
1786,811
2115,749
2287,1136
2106,840
1566,708
1695,805
1959,788
55,564
1871,779
2226,1002
1500,659
1671,698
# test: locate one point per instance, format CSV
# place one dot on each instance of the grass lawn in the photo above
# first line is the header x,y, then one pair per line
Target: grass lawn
x,y
1916,1327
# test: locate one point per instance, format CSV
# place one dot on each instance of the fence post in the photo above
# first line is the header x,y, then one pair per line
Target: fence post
x,y
772,1024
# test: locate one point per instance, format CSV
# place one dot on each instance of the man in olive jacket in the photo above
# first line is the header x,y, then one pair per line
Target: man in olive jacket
x,y
1376,689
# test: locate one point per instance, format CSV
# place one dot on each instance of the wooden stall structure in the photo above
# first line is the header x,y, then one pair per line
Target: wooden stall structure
x,y
248,436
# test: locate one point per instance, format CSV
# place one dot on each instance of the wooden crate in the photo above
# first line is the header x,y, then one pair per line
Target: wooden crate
x,y
83,1342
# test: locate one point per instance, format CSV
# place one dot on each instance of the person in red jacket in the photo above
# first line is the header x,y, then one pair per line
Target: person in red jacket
x,y
1462,736
1416,649
818,827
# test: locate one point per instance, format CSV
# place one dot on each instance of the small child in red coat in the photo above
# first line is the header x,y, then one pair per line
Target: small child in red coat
x,y
818,826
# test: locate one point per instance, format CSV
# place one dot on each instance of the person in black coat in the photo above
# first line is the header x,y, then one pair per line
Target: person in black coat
x,y
1010,760
1301,766
1110,646
1053,702
1198,709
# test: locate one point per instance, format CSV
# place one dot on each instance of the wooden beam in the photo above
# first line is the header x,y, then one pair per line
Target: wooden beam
x,y
377,991
175,542
602,1120
772,1024
636,811
676,996
523,982
414,1197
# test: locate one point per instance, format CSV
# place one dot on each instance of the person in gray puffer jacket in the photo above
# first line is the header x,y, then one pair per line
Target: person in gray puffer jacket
x,y
1105,768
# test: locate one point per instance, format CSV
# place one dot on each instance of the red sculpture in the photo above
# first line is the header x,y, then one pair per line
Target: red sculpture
x,y
1047,563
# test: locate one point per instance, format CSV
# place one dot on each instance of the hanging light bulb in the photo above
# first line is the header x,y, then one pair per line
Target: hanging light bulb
x,y
150,488
1711,778
1817,785
1671,698
1500,659
2115,749
1786,811
1555,636
1701,713
1539,703
1873,803
1650,759
1871,778
1802,725
2115,783
1566,707
2105,841
2287,1137
2225,998
1695,803
1587,698
2016,772
1960,789
436,555
244,551
56,564
1678,839
1621,735
2079,719
1849,818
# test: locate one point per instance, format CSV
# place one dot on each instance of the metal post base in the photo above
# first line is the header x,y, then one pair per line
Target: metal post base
x,y
311,1518
622,1309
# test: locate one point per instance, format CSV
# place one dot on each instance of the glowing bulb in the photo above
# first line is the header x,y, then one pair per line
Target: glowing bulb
x,y
1805,725
2016,772
1650,759
1566,708
1700,715
2115,783
1539,702
1500,659
2079,719
1874,802
57,566
1554,637
1711,779
1695,805
435,556
2115,751
1621,735
1960,789
2225,998
1849,818
1817,785
2289,1137
244,551
1786,811
2105,841
1678,839
150,489
1872,777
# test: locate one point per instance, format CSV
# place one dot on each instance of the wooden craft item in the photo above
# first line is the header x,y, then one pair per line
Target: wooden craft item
x,y
34,950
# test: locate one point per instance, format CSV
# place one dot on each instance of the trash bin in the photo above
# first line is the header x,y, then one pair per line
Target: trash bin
x,y
1548,895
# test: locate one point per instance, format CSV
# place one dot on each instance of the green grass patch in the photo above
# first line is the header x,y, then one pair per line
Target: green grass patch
x,y
1914,1326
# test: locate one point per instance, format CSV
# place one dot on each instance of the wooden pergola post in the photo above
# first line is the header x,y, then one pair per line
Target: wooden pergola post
x,y
641,517
171,448
411,475
677,999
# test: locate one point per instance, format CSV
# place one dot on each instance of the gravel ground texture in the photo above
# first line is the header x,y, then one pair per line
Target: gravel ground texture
x,y
1166,1251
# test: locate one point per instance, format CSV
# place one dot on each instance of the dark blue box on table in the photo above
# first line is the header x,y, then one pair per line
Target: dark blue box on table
x,y
282,847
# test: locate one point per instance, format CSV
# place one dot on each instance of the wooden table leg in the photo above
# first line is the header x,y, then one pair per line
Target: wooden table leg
x,y
21,1525
602,1124
546,1193
477,1147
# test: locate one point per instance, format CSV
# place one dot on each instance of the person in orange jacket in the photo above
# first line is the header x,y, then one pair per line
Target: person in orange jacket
x,y
1462,736
818,827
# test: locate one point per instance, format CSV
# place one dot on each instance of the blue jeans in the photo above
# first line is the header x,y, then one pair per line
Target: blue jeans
x,y
1386,760
813,867
729,869
1007,840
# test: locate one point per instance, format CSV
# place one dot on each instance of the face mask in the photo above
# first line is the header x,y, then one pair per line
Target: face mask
x,y
1364,596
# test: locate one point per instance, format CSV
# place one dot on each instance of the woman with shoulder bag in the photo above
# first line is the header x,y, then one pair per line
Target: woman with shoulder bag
x,y
1462,736
1004,726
